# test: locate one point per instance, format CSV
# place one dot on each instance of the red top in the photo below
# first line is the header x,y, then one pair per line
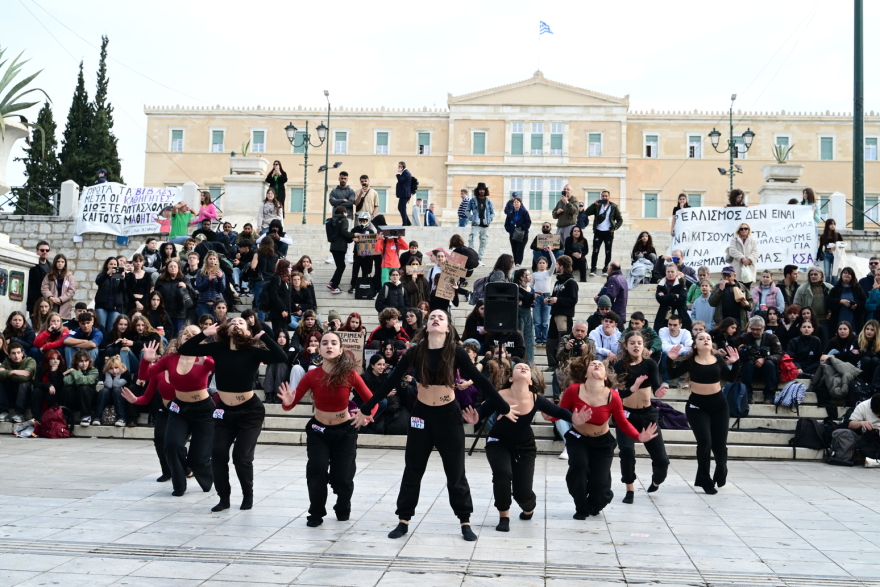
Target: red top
x,y
166,390
571,401
195,380
330,399
389,248
40,340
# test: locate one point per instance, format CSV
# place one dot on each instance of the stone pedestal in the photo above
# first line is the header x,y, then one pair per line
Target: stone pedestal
x,y
14,259
782,183
245,190
69,200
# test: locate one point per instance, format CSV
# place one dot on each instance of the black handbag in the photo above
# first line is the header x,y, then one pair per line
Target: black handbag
x,y
185,298
519,235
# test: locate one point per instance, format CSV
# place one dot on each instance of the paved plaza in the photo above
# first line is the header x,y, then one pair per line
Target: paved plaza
x,y
89,512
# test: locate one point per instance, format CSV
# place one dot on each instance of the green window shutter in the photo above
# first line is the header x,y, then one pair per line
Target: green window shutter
x,y
479,143
537,142
827,149
516,144
299,143
177,135
650,205
695,200
383,199
782,141
217,141
216,192
259,136
424,139
556,142
296,200
382,139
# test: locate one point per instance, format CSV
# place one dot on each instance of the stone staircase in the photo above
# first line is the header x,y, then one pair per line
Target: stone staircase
x,y
762,435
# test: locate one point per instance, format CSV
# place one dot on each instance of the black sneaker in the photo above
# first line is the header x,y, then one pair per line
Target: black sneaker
x,y
351,290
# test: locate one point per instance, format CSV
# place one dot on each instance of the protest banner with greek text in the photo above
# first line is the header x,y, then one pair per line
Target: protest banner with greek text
x,y
114,208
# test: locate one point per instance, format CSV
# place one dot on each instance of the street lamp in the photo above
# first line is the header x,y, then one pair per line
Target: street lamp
x,y
747,137
306,141
327,156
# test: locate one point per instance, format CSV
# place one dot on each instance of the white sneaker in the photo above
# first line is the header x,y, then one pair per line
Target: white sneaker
x,y
604,275
592,274
336,290
330,261
349,260
871,463
120,423
564,454
4,417
87,421
17,419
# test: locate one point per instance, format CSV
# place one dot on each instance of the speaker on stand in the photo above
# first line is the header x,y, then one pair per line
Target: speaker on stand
x,y
501,307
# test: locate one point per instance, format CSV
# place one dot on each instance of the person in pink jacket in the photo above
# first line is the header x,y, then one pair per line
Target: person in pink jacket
x,y
766,295
207,210
59,286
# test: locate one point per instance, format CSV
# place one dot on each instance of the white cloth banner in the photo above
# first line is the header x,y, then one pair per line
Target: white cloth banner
x,y
113,208
785,234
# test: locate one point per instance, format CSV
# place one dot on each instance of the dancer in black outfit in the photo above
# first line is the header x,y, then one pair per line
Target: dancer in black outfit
x,y
436,417
510,445
639,376
707,411
239,414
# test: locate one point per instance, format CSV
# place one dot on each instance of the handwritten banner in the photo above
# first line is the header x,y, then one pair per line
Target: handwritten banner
x,y
785,234
354,342
453,271
554,241
113,208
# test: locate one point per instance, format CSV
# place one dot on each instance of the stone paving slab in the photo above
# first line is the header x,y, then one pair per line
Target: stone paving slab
x,y
89,512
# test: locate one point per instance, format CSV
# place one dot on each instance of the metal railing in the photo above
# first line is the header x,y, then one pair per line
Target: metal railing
x,y
30,201
870,214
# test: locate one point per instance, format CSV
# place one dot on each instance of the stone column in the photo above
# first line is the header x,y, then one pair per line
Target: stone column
x,y
69,199
244,190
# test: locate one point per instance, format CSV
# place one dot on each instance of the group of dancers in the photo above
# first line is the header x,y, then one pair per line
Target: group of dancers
x,y
437,420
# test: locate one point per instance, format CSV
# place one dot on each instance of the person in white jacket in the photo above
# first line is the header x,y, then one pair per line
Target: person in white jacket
x,y
674,336
743,252
606,336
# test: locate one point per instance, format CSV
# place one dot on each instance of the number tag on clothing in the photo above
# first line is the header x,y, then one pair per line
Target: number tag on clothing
x,y
317,428
174,407
490,439
218,413
417,423
573,433
626,414
693,406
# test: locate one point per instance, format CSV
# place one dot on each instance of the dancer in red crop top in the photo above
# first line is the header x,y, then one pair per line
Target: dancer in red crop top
x,y
331,435
189,411
591,445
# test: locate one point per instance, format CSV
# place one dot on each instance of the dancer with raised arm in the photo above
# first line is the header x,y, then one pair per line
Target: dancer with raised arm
x,y
239,414
331,435
707,411
436,417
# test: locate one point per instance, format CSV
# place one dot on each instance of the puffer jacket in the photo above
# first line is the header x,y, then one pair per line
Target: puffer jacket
x,y
836,375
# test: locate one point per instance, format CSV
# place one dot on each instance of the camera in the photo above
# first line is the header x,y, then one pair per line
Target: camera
x,y
577,346
753,353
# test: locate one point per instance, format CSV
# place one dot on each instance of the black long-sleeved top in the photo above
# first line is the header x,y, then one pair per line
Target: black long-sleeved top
x,y
672,296
566,293
302,299
704,374
278,297
520,431
805,352
466,369
845,348
235,370
111,294
645,367
25,338
391,296
141,286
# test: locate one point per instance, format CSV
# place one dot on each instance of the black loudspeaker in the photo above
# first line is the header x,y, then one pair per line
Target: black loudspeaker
x,y
502,307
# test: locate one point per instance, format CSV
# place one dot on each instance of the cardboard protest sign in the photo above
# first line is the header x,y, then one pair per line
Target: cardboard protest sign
x,y
452,273
554,241
366,245
354,342
414,269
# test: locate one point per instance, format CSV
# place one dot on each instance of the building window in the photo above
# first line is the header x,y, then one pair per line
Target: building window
x,y
296,200
537,140
424,195
383,201
783,141
258,141
740,148
595,142
650,206
516,138
424,143
479,140
535,192
695,200
299,143
824,202
556,138
554,191
592,197
516,187
381,143
652,146
695,147
216,195
340,145
826,148
871,204
177,141
217,141
870,149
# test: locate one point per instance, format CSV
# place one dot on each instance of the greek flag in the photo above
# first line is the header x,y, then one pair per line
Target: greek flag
x,y
544,28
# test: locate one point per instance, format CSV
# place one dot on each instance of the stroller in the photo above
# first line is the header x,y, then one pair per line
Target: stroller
x,y
639,273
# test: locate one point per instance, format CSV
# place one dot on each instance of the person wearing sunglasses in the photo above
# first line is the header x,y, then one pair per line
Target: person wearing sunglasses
x,y
743,254
867,282
37,273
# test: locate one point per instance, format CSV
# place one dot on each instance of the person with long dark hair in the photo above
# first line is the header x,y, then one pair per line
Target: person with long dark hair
x,y
302,298
707,411
846,301
18,330
827,247
563,302
331,434
671,294
415,285
138,284
277,178
517,225
436,417
412,321
49,385
644,248
736,198
59,286
577,247
157,315
239,414
501,270
268,211
276,297
111,296
681,204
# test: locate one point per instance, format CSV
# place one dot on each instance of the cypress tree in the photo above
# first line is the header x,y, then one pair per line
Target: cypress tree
x,y
102,142
76,160
41,167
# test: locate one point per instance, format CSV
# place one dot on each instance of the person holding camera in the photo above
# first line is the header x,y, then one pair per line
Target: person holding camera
x,y
762,352
730,298
572,346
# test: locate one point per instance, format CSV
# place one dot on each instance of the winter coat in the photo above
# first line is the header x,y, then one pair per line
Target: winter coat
x,y
767,339
390,249
805,351
43,343
872,305
392,296
417,289
111,294
614,215
341,243
171,295
832,302
836,375
566,293
68,290
649,336
565,356
566,213
715,301
672,297
617,289
518,219
739,250
278,298
210,288
804,295
774,298
302,299
26,340
266,213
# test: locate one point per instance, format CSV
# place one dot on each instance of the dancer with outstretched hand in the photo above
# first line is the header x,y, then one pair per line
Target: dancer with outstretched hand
x,y
707,411
436,417
239,415
331,435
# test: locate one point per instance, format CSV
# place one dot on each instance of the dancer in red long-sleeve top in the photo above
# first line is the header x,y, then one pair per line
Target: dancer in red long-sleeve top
x,y
591,445
331,435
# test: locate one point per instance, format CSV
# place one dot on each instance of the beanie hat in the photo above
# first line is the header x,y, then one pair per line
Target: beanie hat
x,y
333,315
604,302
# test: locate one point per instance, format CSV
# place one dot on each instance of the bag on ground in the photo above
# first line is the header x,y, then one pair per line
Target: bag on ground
x,y
791,396
869,444
808,433
55,423
787,369
843,447
737,399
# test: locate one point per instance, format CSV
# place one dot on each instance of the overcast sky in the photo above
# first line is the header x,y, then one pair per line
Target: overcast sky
x,y
794,55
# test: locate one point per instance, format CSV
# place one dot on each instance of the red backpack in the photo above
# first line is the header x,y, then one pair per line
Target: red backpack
x,y
787,369
54,423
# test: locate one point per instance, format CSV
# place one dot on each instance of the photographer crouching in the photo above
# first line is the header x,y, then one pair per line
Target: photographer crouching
x,y
760,352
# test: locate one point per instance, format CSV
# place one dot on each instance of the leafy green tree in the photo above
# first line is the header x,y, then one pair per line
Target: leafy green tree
x,y
76,159
39,194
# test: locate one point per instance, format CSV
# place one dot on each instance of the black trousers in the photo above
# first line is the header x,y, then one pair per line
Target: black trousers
x,y
88,399
242,425
579,265
73,396
601,237
513,465
362,265
280,324
554,333
589,470
439,427
768,373
339,259
185,419
403,207
331,451
517,248
62,397
160,426
17,395
641,419
709,418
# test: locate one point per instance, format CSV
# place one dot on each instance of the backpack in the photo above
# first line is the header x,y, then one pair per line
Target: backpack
x,y
331,227
479,291
26,429
787,369
413,186
808,433
843,447
670,418
108,416
737,400
56,423
791,396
